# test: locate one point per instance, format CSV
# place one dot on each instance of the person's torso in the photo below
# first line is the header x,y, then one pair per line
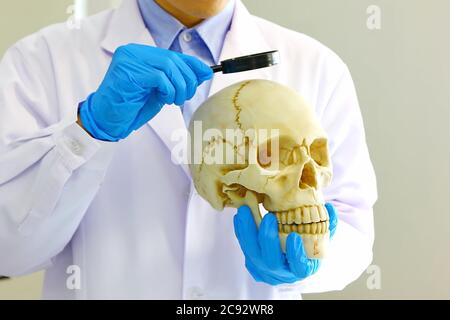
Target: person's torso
x,y
147,233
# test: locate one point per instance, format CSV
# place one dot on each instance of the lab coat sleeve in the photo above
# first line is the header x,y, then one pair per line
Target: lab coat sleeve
x,y
50,168
352,191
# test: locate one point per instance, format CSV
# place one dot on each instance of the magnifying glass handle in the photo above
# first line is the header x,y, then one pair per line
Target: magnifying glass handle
x,y
217,68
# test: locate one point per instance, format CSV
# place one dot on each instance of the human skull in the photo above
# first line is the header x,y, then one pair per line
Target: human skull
x,y
284,170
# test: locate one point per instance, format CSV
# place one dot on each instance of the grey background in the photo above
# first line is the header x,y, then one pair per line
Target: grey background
x,y
402,77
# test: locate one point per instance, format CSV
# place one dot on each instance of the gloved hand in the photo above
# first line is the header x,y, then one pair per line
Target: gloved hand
x,y
139,82
262,249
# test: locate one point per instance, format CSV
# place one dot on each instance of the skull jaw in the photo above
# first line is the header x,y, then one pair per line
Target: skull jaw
x,y
315,245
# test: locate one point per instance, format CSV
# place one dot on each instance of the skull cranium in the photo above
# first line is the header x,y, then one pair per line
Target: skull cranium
x,y
285,170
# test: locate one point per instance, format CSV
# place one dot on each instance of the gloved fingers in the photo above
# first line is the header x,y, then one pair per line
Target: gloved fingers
x,y
189,76
247,233
173,73
150,109
162,93
269,242
275,279
271,277
299,263
253,271
332,214
149,67
259,275
165,90
176,77
139,63
202,70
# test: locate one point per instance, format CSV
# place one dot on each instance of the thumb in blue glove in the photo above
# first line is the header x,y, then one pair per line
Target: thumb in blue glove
x,y
264,258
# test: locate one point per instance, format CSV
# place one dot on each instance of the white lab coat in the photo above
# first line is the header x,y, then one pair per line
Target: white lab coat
x,y
123,213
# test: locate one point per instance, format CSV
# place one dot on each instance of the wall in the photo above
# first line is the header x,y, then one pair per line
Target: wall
x,y
402,74
402,77
19,18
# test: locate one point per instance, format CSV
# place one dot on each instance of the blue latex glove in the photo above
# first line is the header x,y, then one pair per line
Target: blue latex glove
x,y
139,82
264,258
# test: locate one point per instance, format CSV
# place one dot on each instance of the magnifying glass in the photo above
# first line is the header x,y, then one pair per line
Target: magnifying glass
x,y
246,63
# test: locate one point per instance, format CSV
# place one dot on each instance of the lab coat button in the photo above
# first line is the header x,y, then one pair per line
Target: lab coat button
x,y
75,147
187,36
195,293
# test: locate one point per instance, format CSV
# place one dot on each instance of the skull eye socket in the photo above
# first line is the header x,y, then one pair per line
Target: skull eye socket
x,y
278,152
265,154
319,152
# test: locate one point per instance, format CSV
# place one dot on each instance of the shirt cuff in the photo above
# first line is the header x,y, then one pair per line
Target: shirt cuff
x,y
76,146
73,148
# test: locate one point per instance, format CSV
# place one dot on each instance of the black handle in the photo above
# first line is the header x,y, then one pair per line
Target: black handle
x,y
246,63
217,68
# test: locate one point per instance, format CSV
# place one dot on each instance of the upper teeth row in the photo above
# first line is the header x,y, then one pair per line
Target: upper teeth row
x,y
310,228
303,215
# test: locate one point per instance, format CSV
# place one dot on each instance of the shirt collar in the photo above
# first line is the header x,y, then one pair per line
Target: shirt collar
x,y
165,29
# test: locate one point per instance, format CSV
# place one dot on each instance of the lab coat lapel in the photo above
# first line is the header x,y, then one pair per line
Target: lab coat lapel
x,y
127,26
244,38
169,125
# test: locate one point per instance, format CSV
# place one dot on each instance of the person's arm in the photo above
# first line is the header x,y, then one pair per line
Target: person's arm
x,y
50,168
352,192
79,122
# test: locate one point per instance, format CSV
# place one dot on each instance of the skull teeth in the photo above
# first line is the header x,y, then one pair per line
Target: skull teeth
x,y
310,228
304,220
302,215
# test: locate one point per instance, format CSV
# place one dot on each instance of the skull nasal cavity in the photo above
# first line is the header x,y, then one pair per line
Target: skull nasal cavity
x,y
308,178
